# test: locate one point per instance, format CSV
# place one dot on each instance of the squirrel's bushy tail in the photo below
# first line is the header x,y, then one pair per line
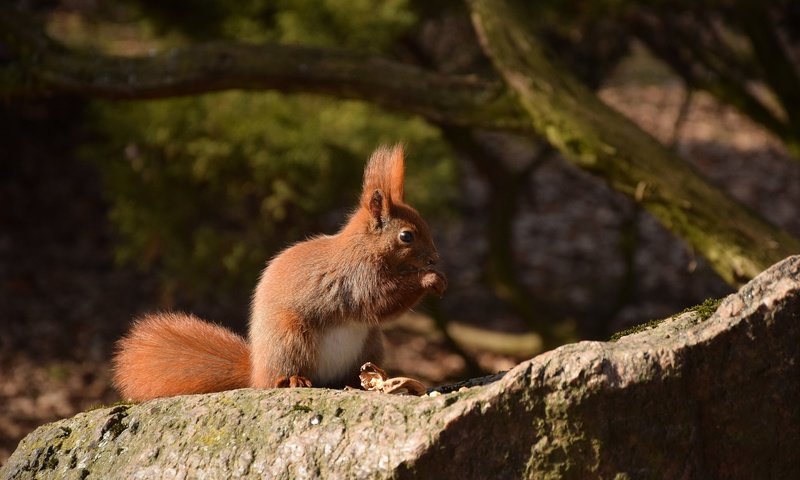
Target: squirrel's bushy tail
x,y
169,354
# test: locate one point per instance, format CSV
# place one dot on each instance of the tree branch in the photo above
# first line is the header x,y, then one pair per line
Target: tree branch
x,y
737,243
44,66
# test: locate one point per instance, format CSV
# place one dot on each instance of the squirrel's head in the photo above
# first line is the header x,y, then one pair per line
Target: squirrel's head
x,y
397,232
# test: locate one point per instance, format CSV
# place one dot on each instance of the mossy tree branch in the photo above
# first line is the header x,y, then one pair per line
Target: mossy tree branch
x,y
737,243
44,66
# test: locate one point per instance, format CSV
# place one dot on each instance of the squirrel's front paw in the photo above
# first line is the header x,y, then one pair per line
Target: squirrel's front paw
x,y
294,381
435,282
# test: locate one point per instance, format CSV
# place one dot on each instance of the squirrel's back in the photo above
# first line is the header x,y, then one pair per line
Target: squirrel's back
x,y
167,354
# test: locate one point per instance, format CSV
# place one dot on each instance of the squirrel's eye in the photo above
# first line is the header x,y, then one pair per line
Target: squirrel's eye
x,y
406,236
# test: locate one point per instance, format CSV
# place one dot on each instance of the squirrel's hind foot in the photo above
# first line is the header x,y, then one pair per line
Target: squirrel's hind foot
x,y
294,381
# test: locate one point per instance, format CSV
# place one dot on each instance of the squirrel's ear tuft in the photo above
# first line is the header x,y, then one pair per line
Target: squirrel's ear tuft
x,y
396,173
385,172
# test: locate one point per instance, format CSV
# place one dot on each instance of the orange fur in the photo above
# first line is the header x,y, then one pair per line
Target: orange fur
x,y
316,309
385,172
170,354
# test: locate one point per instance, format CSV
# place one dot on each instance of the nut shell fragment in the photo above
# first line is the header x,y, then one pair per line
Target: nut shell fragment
x,y
403,386
374,379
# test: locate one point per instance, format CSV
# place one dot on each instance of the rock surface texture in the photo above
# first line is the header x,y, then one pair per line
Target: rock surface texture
x,y
689,398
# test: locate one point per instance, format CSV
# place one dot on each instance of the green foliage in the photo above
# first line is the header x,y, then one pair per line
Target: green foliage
x,y
208,188
355,24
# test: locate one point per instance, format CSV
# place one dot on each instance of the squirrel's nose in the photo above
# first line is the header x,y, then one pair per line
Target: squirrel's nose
x,y
433,259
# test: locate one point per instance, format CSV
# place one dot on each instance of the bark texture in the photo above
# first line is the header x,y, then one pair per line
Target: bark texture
x,y
687,398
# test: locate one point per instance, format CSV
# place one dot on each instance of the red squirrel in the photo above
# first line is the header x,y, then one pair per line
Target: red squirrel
x,y
316,311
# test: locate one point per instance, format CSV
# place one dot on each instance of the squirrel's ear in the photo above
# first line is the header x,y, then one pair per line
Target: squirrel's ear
x,y
384,172
378,208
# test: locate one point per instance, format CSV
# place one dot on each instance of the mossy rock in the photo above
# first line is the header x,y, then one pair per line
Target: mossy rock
x,y
685,399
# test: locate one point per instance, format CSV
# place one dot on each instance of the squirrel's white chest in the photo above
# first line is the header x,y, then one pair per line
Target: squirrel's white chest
x,y
339,350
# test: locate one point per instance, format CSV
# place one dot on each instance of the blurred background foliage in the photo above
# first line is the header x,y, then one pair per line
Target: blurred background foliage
x,y
206,188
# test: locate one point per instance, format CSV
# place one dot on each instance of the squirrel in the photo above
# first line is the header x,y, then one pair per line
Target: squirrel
x,y
316,311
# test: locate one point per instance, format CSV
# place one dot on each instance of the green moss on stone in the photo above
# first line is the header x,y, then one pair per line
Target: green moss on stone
x,y
298,407
123,403
704,310
637,328
702,313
